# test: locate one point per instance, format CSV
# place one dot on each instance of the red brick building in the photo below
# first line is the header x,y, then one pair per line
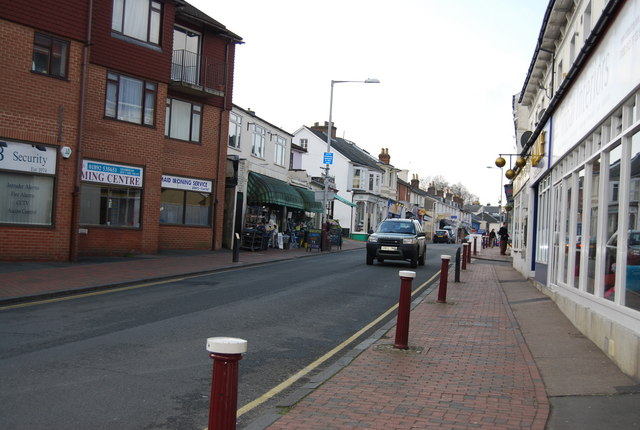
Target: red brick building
x,y
113,127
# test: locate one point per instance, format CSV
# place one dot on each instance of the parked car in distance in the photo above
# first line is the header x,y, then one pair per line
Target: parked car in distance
x,y
441,236
397,239
452,233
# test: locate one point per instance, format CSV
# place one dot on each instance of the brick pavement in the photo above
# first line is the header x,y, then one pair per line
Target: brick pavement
x,y
468,368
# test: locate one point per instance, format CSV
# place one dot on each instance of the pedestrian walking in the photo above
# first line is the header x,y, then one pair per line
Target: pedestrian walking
x,y
504,237
492,237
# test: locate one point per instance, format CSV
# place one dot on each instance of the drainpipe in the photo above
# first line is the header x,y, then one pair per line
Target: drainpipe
x,y
75,198
215,221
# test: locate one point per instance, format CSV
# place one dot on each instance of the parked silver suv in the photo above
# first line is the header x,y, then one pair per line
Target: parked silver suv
x,y
397,239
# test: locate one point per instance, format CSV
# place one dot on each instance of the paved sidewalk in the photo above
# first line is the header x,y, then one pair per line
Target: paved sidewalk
x,y
498,355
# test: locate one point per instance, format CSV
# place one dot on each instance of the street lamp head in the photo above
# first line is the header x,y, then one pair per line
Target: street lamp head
x,y
372,81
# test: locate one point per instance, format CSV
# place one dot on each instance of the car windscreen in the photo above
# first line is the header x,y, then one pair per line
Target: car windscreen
x,y
397,227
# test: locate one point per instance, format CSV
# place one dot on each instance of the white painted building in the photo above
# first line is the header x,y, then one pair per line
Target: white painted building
x,y
575,221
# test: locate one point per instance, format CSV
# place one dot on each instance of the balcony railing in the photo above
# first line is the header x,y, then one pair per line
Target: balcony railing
x,y
197,74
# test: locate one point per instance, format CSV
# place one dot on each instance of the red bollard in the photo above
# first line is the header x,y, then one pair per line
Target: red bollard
x,y
444,274
465,249
226,353
402,327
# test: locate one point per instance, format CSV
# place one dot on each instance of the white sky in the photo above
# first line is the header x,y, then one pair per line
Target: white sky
x,y
448,70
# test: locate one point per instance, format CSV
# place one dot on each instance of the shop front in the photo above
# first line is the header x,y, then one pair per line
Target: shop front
x,y
277,214
111,209
185,213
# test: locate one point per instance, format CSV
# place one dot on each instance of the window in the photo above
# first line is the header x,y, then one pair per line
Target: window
x,y
25,199
235,126
110,206
182,120
185,207
357,180
304,143
279,150
257,147
138,19
50,56
129,99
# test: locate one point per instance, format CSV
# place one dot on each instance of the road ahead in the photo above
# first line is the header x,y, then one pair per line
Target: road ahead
x,y
136,359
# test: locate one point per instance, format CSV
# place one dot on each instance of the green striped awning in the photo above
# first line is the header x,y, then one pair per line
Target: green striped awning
x,y
263,189
345,201
309,198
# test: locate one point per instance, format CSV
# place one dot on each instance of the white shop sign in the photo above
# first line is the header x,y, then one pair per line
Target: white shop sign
x,y
609,76
24,157
114,174
188,184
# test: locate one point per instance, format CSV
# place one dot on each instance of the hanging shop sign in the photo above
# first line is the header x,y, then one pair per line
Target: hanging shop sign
x,y
187,184
113,174
24,157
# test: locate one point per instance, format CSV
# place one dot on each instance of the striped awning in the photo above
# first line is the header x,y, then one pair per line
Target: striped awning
x,y
309,198
263,189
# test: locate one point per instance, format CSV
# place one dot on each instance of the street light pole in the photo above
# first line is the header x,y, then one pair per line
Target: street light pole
x,y
325,199
501,191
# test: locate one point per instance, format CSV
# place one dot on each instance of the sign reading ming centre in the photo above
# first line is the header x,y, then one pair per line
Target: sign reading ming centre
x,y
115,174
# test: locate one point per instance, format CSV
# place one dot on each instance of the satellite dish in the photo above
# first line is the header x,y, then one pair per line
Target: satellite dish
x,y
525,137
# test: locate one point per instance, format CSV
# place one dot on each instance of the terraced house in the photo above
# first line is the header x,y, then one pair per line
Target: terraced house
x,y
113,125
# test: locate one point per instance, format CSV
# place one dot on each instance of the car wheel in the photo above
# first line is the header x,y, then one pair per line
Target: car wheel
x,y
421,259
414,262
369,259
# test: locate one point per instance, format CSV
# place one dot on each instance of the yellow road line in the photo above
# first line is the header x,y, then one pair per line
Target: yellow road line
x,y
286,384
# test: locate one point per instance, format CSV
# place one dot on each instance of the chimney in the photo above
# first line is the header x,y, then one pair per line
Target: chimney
x,y
440,193
431,190
323,128
415,182
384,155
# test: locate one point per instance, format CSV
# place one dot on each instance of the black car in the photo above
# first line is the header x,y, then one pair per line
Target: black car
x,y
397,239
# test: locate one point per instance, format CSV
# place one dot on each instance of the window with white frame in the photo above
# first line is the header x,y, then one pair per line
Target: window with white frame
x,y
182,120
258,140
279,150
130,99
235,127
374,182
138,19
304,143
357,180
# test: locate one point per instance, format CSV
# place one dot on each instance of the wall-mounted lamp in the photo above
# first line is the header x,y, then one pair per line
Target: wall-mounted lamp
x,y
3,144
40,148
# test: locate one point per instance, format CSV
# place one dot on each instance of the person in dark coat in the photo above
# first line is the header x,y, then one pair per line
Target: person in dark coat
x,y
492,237
504,237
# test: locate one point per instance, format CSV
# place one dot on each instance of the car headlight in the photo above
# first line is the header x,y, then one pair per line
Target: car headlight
x,y
373,239
409,241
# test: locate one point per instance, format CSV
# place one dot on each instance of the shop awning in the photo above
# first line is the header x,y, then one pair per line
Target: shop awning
x,y
263,189
309,198
345,201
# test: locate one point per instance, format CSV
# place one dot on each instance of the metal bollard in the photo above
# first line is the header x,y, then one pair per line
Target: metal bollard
x,y
444,274
475,246
465,249
402,327
469,254
226,352
457,272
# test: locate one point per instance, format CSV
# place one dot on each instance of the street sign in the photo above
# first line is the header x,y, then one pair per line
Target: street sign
x,y
328,158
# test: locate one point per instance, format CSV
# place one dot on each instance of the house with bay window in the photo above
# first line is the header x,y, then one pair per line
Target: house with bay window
x,y
355,179
118,116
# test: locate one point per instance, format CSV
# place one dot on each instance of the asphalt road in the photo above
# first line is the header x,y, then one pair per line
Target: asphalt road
x,y
136,359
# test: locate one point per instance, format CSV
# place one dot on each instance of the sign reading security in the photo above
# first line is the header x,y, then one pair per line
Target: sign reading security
x,y
187,184
27,158
114,174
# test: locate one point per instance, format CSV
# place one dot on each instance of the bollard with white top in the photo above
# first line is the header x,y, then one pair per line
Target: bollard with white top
x,y
404,304
444,274
226,352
